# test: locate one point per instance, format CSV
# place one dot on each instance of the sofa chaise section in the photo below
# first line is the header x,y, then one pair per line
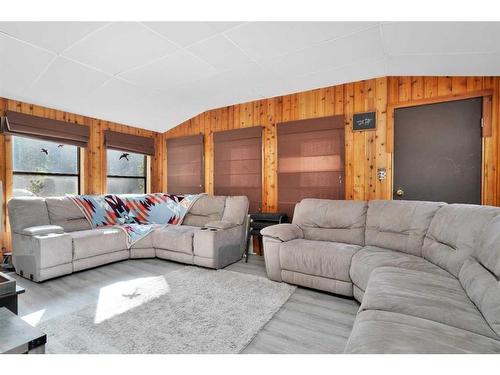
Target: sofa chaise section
x,y
382,332
430,312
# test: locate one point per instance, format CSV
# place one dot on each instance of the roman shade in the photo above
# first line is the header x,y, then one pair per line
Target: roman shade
x,y
185,165
238,164
310,161
20,124
129,142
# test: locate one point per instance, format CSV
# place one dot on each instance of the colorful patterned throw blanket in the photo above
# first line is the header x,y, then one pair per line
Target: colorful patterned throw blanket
x,y
136,214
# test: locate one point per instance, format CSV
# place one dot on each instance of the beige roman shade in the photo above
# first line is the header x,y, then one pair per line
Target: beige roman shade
x,y
185,165
21,124
310,161
129,142
238,164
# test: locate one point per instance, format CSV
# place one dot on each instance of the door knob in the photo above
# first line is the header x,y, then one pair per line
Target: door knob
x,y
400,192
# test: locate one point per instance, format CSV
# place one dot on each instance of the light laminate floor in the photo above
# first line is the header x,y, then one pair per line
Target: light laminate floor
x,y
309,322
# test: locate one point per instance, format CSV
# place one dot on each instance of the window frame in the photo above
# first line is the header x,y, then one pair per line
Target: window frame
x,y
145,177
78,175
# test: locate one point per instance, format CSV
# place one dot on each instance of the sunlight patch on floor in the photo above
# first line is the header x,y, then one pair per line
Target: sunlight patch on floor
x,y
34,318
123,296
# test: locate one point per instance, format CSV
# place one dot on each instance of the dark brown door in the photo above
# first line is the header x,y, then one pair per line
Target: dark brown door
x,y
437,152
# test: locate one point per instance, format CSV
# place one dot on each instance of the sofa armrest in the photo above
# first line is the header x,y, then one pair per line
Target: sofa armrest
x,y
221,224
272,257
217,248
42,230
283,232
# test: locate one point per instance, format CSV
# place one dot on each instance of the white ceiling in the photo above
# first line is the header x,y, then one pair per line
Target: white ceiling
x,y
155,75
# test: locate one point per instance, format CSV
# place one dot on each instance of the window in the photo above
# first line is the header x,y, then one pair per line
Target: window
x,y
238,164
43,168
310,161
126,172
185,165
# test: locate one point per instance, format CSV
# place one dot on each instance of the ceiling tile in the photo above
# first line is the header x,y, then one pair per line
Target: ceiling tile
x,y
65,84
475,64
164,74
220,53
186,33
122,102
20,65
365,69
266,40
441,37
54,36
336,53
119,47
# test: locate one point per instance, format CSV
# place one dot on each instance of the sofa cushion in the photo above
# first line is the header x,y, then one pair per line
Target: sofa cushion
x,y
318,258
146,242
399,225
236,209
453,233
63,212
389,332
480,275
206,208
424,295
25,212
371,257
175,238
93,242
330,220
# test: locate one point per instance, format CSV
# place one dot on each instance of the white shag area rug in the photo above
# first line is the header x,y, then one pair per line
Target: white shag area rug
x,y
191,310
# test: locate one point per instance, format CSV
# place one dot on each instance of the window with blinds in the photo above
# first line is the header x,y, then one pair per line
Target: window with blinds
x,y
310,161
238,164
185,165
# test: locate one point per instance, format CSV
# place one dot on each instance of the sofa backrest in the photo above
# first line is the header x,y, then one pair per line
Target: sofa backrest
x,y
236,209
332,220
207,208
453,233
480,274
25,212
399,225
65,213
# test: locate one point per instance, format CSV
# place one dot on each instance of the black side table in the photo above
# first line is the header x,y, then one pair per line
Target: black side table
x,y
260,221
9,300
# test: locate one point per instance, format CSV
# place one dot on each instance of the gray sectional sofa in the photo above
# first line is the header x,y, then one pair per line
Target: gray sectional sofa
x,y
426,273
51,237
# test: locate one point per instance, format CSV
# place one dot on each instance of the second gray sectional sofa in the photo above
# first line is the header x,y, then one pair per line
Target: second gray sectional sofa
x,y
51,237
426,273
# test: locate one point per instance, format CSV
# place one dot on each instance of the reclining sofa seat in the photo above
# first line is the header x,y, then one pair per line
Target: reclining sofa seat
x,y
315,251
51,237
427,277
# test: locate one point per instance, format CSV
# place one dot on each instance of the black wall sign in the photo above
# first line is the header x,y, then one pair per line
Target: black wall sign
x,y
364,121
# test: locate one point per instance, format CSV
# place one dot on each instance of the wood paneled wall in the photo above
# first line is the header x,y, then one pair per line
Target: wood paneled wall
x,y
365,151
93,172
